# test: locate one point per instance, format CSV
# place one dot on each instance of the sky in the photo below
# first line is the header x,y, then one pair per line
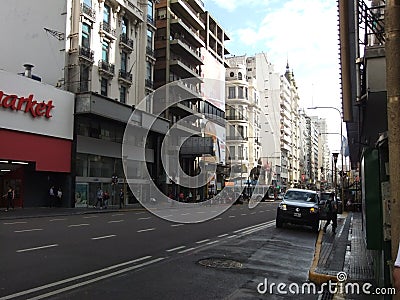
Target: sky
x,y
301,32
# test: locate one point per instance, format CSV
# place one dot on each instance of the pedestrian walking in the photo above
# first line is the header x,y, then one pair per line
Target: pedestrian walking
x,y
10,195
106,196
330,208
396,272
52,196
121,198
99,196
59,197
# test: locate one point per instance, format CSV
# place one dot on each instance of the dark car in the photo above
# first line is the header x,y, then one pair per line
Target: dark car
x,y
299,207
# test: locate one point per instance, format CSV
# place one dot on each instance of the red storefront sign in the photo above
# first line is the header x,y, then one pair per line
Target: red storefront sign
x,y
27,105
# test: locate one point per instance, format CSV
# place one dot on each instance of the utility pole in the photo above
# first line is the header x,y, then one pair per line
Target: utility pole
x,y
392,46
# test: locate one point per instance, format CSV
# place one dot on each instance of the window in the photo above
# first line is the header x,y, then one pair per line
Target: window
x,y
150,9
124,57
124,27
150,39
231,92
148,70
161,13
106,14
104,86
240,92
232,153
85,36
84,78
104,51
240,76
122,94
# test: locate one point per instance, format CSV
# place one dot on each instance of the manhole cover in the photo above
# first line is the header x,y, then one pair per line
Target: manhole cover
x,y
221,263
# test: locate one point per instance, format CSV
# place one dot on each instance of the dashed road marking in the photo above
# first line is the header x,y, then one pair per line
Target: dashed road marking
x,y
203,241
177,225
78,225
28,230
187,250
213,242
216,219
148,229
176,248
146,218
116,221
103,237
37,248
12,223
90,217
60,219
222,235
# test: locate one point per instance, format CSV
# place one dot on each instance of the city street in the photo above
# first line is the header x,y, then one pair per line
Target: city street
x,y
136,255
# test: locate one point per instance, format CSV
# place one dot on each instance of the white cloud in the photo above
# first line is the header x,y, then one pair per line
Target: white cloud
x,y
232,5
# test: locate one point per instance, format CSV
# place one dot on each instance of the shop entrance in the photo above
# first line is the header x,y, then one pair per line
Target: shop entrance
x,y
11,174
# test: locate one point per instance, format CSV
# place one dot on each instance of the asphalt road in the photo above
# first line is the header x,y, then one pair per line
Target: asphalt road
x,y
136,255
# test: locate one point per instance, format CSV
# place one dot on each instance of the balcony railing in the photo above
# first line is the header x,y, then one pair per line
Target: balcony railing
x,y
87,10
105,66
126,41
125,75
235,138
150,51
151,20
107,28
86,53
149,83
236,118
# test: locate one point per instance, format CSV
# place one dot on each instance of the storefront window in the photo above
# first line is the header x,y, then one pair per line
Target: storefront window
x,y
81,165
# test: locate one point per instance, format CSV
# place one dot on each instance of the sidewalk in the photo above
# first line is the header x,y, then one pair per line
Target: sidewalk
x,y
344,252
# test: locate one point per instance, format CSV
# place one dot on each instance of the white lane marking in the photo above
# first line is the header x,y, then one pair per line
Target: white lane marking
x,y
185,214
166,216
253,213
177,225
114,215
12,223
258,228
203,241
74,286
103,237
201,212
115,221
244,214
148,229
232,216
216,219
28,230
253,226
141,212
60,219
213,242
222,235
176,248
78,225
187,250
90,217
267,210
232,236
36,248
144,218
261,211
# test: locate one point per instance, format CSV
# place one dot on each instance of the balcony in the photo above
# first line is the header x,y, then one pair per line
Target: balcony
x,y
236,138
86,54
149,83
150,52
150,20
192,36
183,69
125,42
88,12
125,77
106,69
236,118
188,13
182,48
197,5
105,29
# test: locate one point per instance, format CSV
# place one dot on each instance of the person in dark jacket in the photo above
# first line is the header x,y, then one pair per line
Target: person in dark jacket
x,y
331,214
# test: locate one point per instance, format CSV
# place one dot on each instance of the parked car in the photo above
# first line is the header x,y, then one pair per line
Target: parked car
x,y
299,207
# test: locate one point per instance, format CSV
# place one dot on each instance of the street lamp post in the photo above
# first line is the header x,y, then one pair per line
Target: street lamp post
x,y
341,146
335,157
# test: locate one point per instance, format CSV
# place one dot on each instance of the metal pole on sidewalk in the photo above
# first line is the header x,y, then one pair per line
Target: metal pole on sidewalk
x,y
392,46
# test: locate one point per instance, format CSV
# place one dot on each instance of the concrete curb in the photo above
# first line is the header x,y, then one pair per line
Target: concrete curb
x,y
313,276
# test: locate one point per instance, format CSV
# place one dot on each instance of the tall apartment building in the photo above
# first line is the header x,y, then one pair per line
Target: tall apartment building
x,y
243,115
189,50
100,51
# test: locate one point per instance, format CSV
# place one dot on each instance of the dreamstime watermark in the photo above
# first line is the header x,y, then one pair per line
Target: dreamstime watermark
x,y
332,287
153,189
